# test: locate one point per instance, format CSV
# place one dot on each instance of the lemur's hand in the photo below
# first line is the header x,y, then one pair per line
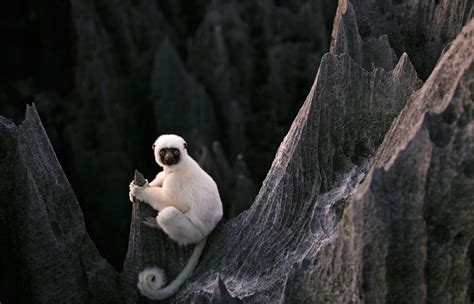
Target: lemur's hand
x,y
136,192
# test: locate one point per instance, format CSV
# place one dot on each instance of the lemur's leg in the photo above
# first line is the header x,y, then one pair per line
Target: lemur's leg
x,y
178,226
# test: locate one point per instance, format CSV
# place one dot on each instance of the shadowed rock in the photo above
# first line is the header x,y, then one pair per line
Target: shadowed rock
x,y
45,223
407,232
421,28
323,157
369,198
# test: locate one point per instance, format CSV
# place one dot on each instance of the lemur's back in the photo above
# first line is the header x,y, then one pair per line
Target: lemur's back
x,y
205,203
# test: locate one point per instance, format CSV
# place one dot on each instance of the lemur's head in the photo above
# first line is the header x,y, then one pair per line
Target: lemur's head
x,y
170,150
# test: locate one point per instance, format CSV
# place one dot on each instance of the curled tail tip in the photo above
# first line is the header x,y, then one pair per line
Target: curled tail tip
x,y
151,279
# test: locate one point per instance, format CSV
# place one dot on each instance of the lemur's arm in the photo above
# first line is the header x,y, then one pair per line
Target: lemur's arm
x,y
158,181
156,197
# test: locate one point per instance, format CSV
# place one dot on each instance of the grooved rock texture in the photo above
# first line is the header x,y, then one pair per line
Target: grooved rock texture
x,y
53,257
369,198
319,236
324,156
406,234
421,28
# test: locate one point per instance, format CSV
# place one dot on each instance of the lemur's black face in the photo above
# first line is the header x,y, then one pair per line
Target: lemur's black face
x,y
169,156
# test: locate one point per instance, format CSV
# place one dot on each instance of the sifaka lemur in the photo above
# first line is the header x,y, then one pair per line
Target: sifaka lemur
x,y
188,205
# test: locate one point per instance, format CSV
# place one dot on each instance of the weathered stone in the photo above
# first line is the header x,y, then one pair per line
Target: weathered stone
x,y
407,232
45,222
421,28
321,160
369,198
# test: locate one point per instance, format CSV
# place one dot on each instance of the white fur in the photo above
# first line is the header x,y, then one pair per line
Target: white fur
x,y
154,289
151,279
189,208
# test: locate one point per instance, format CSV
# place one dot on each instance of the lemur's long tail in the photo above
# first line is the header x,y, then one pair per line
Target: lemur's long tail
x,y
152,280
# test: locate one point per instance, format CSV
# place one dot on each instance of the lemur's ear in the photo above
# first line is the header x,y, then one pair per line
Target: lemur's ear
x,y
185,145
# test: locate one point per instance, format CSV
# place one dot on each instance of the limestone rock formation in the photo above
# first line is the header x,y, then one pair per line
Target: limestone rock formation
x,y
369,198
49,255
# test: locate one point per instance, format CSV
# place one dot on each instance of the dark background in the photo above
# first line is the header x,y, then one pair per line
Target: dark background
x,y
108,77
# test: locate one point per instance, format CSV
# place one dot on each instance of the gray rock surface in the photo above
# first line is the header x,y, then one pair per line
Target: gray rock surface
x,y
56,259
406,234
324,156
369,197
421,28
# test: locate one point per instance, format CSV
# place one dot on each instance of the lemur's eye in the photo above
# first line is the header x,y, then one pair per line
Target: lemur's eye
x,y
162,153
176,152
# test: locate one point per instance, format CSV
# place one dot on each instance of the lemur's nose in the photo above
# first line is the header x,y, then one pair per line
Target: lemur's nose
x,y
169,157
